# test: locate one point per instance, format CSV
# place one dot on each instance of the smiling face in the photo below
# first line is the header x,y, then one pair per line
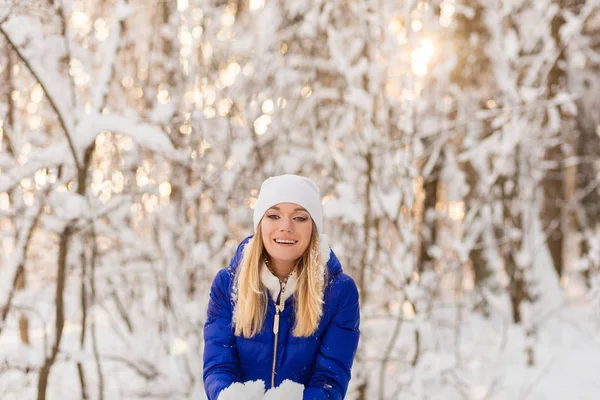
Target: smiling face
x,y
286,229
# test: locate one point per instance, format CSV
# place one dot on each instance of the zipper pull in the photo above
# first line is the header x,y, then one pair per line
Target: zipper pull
x,y
278,307
276,322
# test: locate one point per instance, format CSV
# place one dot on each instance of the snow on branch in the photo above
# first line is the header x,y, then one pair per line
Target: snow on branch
x,y
111,48
144,134
47,78
48,158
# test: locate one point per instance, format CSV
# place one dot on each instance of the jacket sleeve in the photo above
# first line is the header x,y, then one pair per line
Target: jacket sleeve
x,y
221,363
331,373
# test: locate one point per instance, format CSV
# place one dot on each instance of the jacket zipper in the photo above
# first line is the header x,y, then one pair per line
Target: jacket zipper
x,y
279,306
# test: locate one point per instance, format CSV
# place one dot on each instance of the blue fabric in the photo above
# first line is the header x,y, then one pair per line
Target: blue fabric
x,y
321,362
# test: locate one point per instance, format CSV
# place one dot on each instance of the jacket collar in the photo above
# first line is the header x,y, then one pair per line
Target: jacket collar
x,y
272,284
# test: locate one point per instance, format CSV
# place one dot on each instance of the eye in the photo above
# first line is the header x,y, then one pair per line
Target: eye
x,y
273,216
301,219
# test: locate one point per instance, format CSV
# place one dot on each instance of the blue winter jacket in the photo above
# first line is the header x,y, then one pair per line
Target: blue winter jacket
x,y
320,362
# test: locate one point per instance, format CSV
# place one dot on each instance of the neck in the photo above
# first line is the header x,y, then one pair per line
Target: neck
x,y
281,269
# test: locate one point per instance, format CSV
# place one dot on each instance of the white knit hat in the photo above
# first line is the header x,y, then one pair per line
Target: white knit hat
x,y
289,189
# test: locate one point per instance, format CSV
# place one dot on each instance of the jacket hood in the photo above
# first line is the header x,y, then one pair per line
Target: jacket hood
x,y
334,267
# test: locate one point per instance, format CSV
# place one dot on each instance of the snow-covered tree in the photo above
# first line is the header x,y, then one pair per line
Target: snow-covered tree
x,y
454,144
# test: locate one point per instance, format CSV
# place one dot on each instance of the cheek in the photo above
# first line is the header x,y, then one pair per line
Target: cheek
x,y
306,235
305,244
265,233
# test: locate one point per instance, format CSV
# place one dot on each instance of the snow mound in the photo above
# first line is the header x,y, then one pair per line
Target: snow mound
x,y
251,390
255,390
288,390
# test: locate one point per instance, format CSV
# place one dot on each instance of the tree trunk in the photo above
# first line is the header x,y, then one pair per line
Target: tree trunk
x,y
553,183
23,321
428,226
60,314
511,243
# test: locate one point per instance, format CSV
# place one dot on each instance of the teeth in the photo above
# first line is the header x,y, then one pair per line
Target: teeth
x,y
285,241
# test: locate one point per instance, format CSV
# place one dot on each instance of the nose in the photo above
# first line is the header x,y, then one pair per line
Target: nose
x,y
285,225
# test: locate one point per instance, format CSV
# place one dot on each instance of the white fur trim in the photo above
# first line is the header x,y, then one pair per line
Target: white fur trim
x,y
271,282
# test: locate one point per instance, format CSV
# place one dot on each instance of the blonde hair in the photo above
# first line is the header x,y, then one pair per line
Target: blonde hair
x,y
251,296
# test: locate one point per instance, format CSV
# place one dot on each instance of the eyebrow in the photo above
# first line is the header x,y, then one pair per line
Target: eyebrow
x,y
295,209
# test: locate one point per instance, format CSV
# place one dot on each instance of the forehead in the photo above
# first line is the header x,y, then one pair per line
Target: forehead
x,y
288,207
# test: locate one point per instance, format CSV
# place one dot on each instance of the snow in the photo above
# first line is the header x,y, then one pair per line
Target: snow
x,y
360,99
111,49
252,390
255,390
146,135
287,390
566,103
479,123
47,158
43,63
70,206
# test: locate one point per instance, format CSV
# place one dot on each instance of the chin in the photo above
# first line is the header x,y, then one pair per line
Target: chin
x,y
285,257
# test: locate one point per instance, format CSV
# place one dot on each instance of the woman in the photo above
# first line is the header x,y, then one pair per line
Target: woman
x,y
283,309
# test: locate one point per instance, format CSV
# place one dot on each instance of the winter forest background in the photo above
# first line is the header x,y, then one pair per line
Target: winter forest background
x,y
456,145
